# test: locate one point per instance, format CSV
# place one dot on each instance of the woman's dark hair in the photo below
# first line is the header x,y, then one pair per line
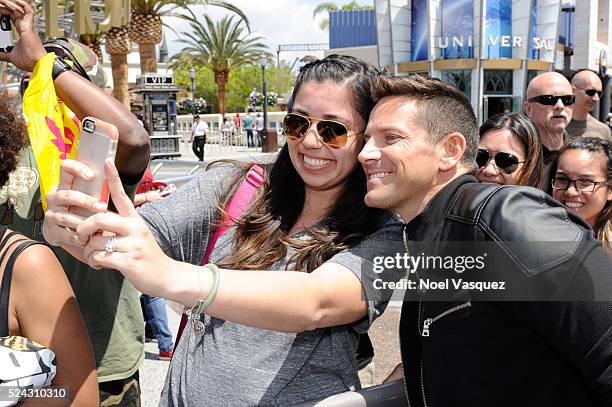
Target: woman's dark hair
x,y
13,137
523,128
595,145
262,232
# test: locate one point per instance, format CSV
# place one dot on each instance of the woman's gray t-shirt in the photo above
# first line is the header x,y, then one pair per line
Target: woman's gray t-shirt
x,y
237,365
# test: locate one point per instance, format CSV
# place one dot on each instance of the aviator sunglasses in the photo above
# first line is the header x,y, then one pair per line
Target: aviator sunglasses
x,y
551,100
506,162
333,133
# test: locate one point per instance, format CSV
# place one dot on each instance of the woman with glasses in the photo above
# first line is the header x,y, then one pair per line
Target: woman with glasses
x,y
259,337
510,151
583,183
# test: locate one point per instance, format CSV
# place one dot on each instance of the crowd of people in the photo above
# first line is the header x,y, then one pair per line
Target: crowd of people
x,y
273,262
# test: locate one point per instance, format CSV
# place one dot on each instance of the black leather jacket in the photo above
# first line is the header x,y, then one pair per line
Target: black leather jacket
x,y
505,353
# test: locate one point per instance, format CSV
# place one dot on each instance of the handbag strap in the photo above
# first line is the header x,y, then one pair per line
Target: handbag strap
x,y
241,199
5,288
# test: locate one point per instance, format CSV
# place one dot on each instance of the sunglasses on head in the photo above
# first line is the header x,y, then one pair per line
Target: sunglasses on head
x,y
333,133
551,100
592,92
506,162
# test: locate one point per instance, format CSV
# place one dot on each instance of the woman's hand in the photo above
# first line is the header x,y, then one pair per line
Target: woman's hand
x,y
29,49
59,227
135,253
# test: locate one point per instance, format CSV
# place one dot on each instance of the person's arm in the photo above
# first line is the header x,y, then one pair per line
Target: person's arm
x,y
279,300
80,95
54,320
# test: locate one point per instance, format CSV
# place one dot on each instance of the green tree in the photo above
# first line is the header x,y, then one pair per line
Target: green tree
x,y
239,86
145,27
222,46
327,6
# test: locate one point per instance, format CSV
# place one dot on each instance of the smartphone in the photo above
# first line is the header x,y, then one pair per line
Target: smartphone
x,y
97,142
6,36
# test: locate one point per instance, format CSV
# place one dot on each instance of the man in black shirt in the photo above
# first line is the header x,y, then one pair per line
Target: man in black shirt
x,y
527,346
548,103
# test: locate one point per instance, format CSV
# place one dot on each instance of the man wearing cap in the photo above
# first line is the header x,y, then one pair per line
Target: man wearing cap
x,y
548,104
110,304
587,87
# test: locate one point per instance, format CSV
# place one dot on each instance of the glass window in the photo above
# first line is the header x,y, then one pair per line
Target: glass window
x,y
498,82
462,80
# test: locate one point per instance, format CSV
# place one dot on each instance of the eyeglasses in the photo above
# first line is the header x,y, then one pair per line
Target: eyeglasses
x,y
551,100
581,185
591,92
333,133
506,162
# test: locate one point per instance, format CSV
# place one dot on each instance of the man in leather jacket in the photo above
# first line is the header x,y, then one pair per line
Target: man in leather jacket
x,y
529,347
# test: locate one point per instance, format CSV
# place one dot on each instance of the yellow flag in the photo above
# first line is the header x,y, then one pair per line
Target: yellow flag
x,y
53,128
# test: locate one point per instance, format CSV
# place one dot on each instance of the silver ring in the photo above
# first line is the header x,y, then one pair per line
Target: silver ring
x,y
110,245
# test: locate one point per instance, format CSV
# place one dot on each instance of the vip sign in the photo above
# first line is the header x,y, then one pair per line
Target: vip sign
x,y
504,41
116,14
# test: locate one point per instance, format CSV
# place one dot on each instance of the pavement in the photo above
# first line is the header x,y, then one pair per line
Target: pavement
x,y
383,333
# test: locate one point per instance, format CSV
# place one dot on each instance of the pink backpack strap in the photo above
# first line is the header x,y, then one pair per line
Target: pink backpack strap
x,y
241,199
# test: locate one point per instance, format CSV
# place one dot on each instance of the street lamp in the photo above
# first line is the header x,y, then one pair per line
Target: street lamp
x,y
192,76
263,61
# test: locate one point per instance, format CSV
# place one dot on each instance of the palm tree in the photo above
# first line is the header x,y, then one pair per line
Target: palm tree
x,y
222,46
94,41
328,6
145,27
118,46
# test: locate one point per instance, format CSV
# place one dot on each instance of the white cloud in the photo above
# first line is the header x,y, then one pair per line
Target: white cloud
x,y
277,21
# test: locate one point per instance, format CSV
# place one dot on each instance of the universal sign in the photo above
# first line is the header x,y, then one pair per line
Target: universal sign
x,y
504,41
116,14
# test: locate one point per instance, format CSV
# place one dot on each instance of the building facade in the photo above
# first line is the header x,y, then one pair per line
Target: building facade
x,y
490,49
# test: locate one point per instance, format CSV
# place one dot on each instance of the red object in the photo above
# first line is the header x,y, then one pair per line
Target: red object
x,y
147,182
165,355
243,196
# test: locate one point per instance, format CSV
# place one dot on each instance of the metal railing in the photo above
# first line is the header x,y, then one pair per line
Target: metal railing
x,y
384,395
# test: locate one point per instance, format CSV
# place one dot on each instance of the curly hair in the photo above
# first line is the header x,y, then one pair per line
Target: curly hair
x,y
13,137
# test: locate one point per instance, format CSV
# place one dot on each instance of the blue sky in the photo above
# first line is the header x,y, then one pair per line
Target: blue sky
x,y
277,21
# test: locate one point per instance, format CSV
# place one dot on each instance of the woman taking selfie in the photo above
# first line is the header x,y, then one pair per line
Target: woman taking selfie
x,y
267,337
583,183
510,151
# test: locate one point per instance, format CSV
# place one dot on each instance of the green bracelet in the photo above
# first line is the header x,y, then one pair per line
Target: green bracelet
x,y
213,291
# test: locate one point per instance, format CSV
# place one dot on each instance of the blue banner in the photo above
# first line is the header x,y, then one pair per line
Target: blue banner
x,y
498,30
419,31
457,29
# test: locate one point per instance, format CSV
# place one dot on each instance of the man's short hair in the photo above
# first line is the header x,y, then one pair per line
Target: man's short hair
x,y
440,108
197,116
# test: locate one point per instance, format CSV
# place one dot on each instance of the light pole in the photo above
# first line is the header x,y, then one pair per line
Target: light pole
x,y
192,76
263,61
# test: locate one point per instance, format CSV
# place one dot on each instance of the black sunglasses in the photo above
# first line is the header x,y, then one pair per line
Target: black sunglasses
x,y
506,162
551,100
333,133
592,92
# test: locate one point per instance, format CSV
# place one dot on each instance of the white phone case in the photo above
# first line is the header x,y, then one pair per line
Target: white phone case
x,y
6,37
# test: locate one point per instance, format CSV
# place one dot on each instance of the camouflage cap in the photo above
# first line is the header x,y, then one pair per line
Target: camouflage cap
x,y
84,60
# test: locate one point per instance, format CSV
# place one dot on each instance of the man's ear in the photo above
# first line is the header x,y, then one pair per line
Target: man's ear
x,y
452,147
527,109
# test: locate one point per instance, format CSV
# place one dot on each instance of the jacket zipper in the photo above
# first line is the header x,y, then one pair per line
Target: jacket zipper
x,y
402,356
427,323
